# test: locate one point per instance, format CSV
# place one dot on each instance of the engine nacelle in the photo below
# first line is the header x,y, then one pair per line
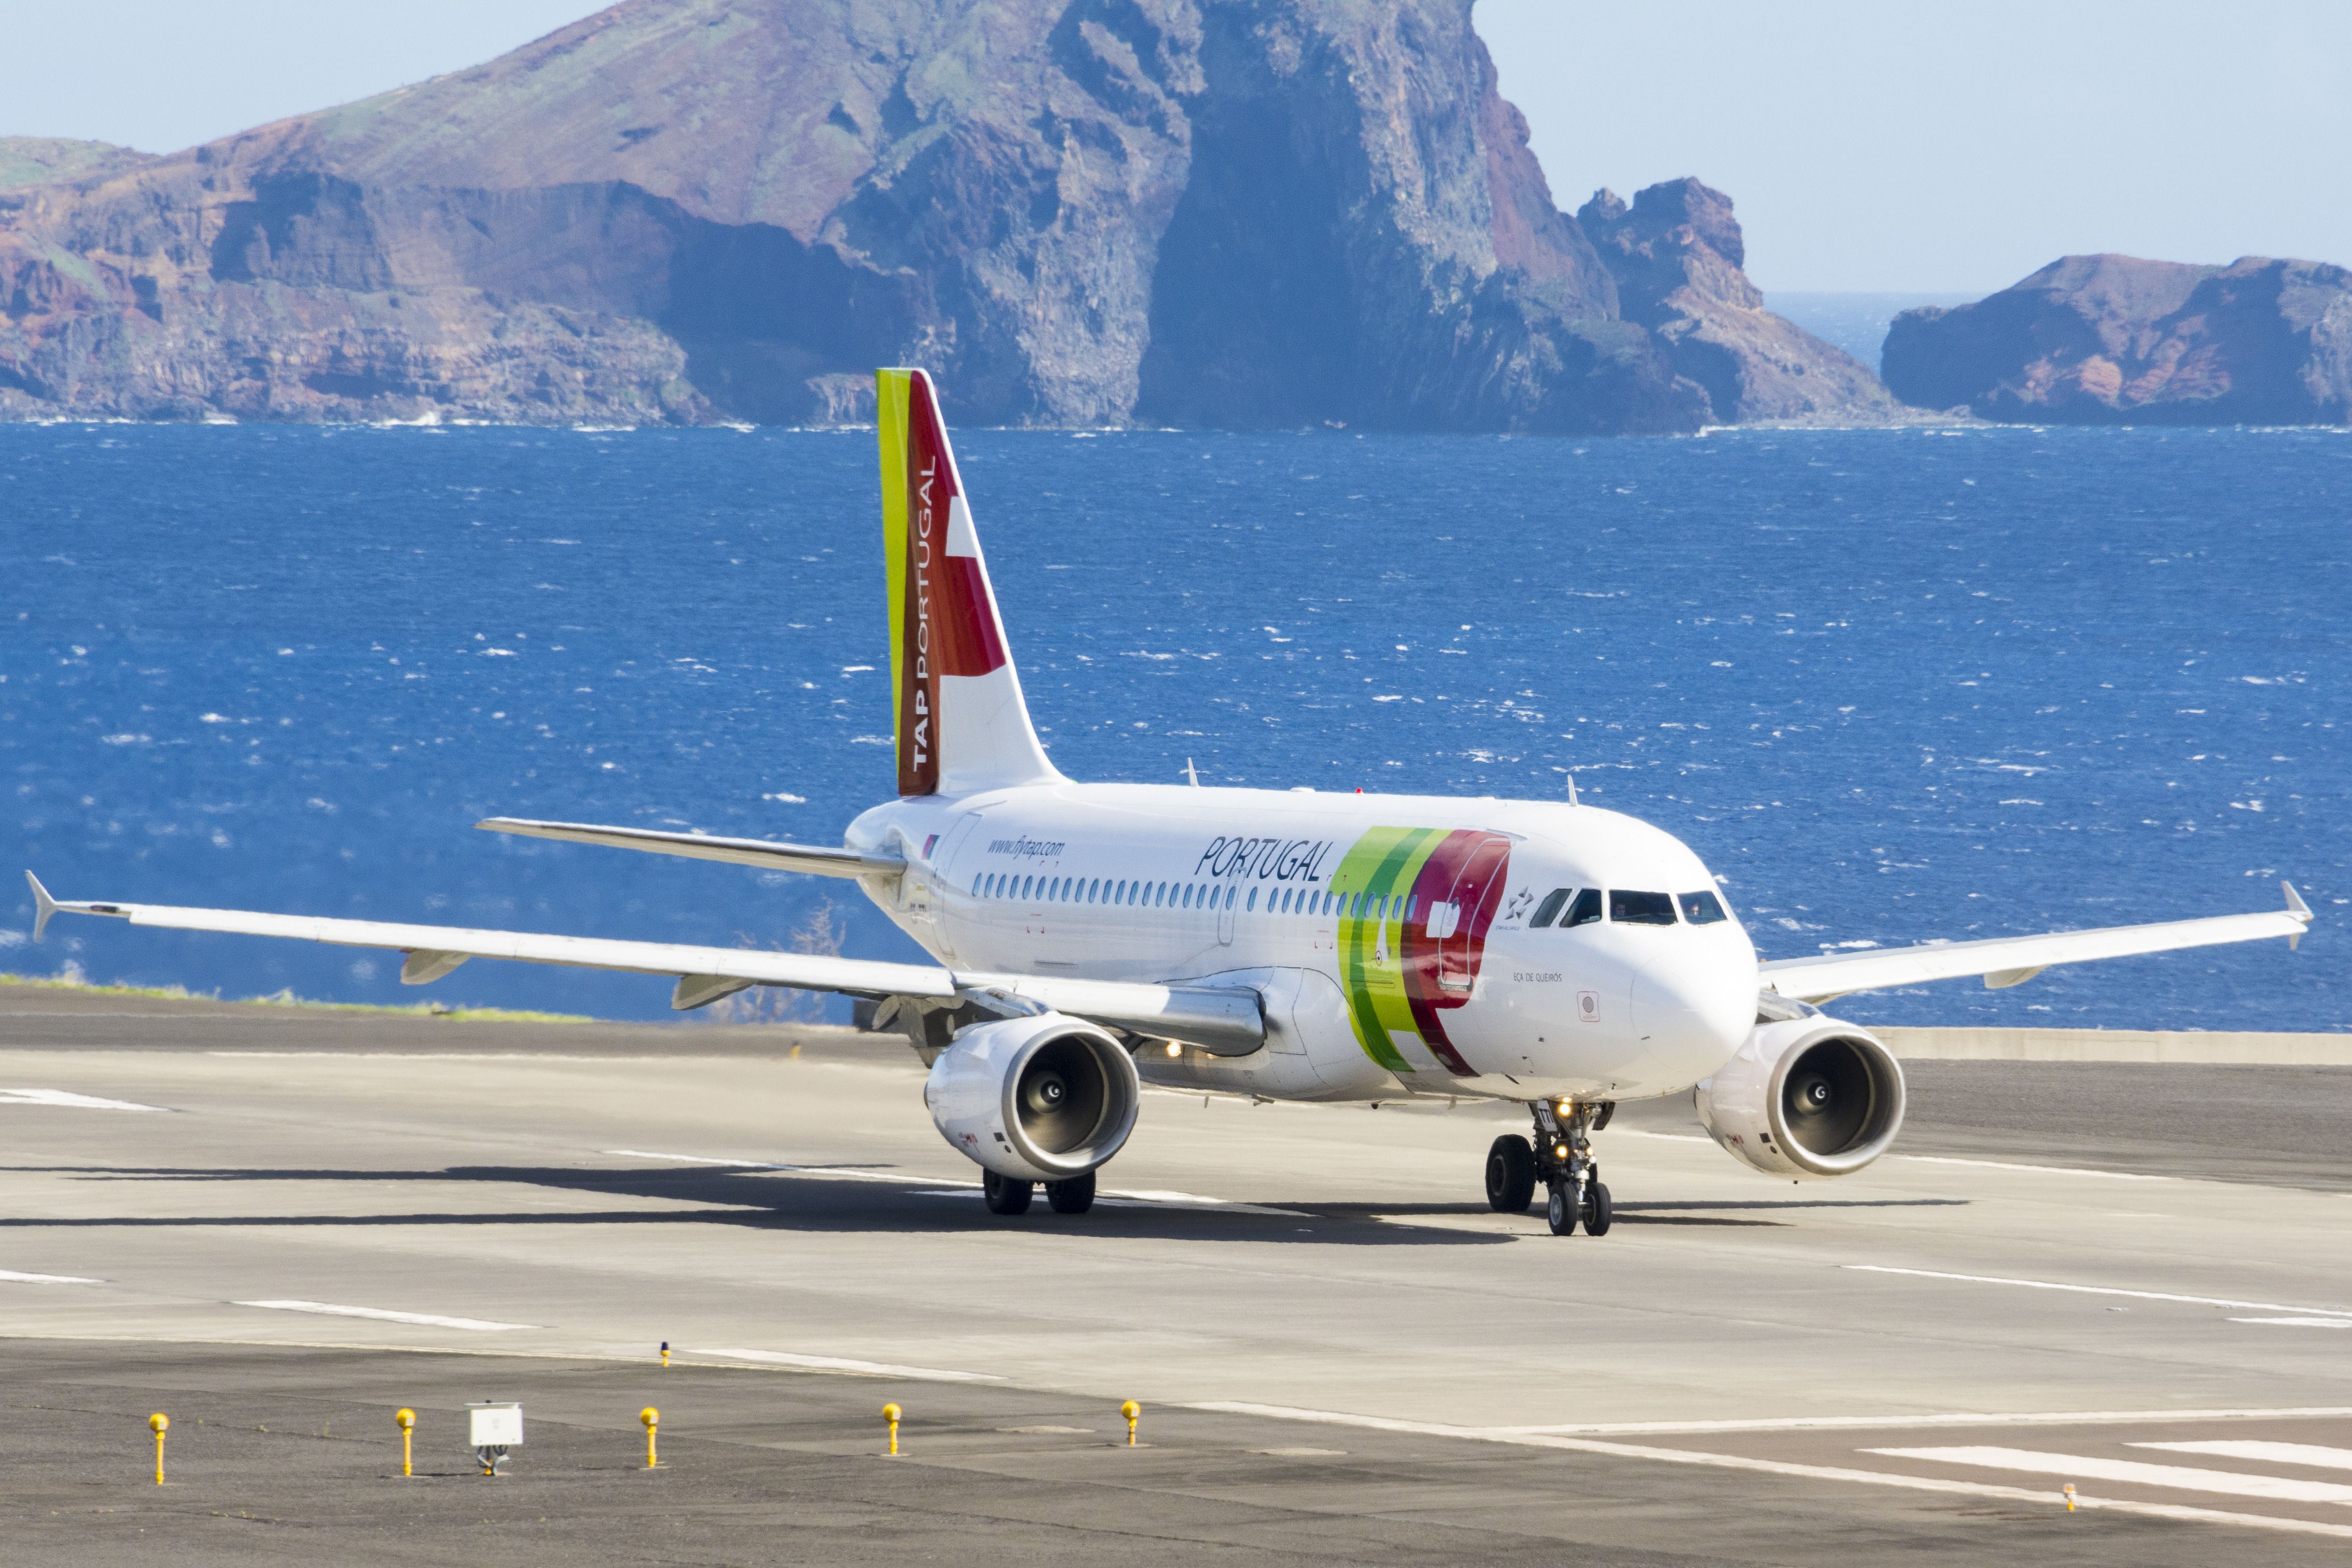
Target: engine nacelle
x,y
1040,1099
1806,1096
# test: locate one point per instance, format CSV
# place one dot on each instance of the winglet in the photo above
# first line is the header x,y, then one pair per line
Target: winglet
x,y
44,906
2299,910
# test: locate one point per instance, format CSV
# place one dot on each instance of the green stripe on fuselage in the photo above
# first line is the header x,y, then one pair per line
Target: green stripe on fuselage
x,y
1382,864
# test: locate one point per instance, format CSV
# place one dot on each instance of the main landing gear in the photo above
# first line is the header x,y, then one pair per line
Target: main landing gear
x,y
1561,1158
1006,1196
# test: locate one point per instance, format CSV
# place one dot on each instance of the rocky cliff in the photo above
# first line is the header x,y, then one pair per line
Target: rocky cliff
x,y
2113,339
1677,255
1238,212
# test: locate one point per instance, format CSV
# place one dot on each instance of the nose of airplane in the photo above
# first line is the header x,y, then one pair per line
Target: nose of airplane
x,y
1694,1009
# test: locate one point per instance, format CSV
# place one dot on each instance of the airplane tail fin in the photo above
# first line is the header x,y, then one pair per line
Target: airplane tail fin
x,y
961,723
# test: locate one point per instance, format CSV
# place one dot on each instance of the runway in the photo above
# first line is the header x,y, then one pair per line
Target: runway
x,y
1321,1318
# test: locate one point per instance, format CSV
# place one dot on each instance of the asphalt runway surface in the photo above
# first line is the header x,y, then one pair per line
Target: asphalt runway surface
x,y
279,1225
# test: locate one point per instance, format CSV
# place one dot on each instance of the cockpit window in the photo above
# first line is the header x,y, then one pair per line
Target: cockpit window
x,y
1702,908
1640,908
1584,911
1548,910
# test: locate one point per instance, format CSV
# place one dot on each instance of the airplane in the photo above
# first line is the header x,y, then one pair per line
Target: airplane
x,y
1289,944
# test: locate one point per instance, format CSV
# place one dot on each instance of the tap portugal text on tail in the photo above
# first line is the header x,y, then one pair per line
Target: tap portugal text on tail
x,y
1093,937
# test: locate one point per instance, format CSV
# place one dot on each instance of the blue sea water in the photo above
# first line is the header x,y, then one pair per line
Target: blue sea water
x,y
1894,684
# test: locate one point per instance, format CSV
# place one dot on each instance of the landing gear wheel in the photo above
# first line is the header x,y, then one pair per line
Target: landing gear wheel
x,y
1599,1214
1076,1195
1006,1196
1510,1174
1561,1210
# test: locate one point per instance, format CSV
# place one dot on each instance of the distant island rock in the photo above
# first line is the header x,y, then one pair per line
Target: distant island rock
x,y
2114,340
1677,257
1245,214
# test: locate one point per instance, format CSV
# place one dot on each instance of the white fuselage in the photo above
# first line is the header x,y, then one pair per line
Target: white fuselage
x,y
1378,981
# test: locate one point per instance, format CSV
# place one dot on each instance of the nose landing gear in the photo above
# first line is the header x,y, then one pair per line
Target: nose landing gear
x,y
1562,1156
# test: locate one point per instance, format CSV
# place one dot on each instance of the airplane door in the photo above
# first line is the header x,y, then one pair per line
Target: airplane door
x,y
945,874
1477,890
1225,913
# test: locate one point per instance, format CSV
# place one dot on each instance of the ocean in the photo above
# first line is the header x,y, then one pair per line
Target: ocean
x,y
1893,685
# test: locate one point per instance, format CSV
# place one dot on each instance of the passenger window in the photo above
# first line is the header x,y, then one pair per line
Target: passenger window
x,y
1640,908
1548,910
1703,908
1584,911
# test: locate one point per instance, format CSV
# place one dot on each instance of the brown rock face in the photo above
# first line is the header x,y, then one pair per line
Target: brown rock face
x,y
2109,340
1241,212
1676,254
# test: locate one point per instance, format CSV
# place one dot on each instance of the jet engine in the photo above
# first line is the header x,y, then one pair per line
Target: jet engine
x,y
1806,1096
1039,1098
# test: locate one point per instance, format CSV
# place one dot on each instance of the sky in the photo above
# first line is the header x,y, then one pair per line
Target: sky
x,y
1885,145
1870,146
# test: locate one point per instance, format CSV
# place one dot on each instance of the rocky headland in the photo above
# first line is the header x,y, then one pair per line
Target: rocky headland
x,y
2114,340
1246,214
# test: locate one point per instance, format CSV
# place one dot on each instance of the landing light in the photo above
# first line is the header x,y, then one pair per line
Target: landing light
x,y
1174,1049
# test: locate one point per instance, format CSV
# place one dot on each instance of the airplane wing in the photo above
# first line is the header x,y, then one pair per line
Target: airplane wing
x,y
1222,1020
761,852
2007,960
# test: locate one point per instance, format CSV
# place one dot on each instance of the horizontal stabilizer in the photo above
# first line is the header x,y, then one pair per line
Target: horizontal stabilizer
x,y
2007,960
803,857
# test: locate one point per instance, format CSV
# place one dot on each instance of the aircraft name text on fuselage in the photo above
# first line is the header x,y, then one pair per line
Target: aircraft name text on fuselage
x,y
1266,860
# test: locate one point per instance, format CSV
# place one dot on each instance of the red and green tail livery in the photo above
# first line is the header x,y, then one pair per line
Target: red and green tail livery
x,y
959,719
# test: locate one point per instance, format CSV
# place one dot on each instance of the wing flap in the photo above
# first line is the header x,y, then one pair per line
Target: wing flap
x,y
811,859
2009,960
1226,1020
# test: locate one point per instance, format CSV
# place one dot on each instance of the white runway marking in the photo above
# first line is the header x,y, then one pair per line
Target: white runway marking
x,y
1941,1418
422,1320
2046,1497
2179,1478
14,1277
2037,1170
76,1101
2301,1322
2325,1313
2310,1453
843,1363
